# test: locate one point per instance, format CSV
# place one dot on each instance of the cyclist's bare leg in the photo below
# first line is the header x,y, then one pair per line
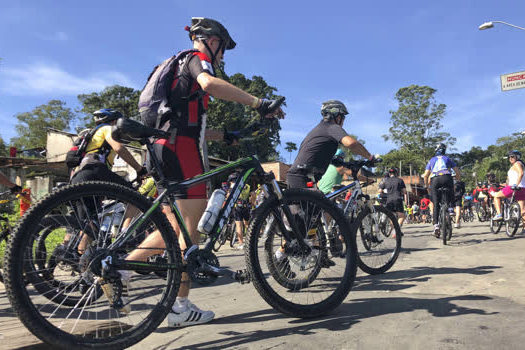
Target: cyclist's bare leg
x,y
191,211
498,196
400,218
458,214
239,228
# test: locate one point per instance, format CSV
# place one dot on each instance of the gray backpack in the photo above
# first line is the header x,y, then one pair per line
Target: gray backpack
x,y
154,99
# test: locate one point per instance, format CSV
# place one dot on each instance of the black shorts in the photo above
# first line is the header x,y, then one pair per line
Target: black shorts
x,y
241,213
294,180
458,202
395,206
178,162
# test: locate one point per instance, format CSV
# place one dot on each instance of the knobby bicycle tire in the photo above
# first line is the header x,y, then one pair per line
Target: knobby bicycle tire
x,y
42,327
512,223
298,302
372,241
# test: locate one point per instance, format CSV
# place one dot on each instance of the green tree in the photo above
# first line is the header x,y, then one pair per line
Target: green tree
x,y
4,151
416,124
32,126
290,147
225,115
124,99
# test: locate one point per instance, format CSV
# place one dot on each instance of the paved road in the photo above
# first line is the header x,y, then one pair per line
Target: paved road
x,y
468,295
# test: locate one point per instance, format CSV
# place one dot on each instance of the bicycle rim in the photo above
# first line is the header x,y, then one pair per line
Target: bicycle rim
x,y
378,241
92,321
302,284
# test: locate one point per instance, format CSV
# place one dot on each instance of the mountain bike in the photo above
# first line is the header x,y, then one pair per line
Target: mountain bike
x,y
495,226
511,213
445,220
379,239
99,322
227,234
467,215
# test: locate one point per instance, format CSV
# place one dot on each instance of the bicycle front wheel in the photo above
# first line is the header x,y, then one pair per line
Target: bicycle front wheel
x,y
512,222
297,282
378,240
65,309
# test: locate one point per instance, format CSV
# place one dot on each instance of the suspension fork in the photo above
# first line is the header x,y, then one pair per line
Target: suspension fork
x,y
290,217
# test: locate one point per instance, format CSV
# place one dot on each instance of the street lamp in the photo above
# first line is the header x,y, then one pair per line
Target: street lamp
x,y
488,25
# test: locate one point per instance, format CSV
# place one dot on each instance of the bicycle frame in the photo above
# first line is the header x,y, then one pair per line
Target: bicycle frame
x,y
249,166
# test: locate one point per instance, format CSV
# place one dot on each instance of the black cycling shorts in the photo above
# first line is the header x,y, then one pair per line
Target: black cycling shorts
x,y
180,161
458,201
241,213
395,206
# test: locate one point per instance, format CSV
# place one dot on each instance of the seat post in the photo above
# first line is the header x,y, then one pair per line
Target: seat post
x,y
156,171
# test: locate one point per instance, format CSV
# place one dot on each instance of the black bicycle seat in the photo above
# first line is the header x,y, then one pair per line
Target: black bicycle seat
x,y
127,130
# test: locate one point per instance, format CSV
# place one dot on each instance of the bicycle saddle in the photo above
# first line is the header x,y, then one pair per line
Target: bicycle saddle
x,y
127,130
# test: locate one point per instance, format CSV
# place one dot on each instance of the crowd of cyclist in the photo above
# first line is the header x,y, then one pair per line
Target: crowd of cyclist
x,y
183,156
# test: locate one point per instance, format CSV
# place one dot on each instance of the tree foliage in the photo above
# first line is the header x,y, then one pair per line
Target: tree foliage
x,y
32,126
124,99
416,125
225,115
4,150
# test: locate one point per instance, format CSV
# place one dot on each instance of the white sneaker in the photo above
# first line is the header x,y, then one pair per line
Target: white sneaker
x,y
191,316
456,225
240,246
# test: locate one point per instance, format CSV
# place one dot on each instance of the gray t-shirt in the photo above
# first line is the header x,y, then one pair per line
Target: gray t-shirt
x,y
319,146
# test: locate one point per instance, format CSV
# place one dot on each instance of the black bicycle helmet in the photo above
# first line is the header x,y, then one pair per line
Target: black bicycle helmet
x,y
441,148
393,170
106,115
515,153
203,28
333,108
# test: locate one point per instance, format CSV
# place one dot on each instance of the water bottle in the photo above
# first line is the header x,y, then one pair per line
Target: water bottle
x,y
212,211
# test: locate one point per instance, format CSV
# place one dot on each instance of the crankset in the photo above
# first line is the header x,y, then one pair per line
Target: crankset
x,y
203,267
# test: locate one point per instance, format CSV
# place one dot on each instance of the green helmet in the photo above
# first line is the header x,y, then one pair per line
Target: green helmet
x,y
202,28
332,108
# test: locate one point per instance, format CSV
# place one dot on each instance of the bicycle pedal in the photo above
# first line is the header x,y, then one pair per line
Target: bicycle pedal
x,y
242,276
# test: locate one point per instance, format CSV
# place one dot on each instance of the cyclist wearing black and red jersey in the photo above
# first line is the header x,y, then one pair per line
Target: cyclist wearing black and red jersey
x,y
184,154
438,174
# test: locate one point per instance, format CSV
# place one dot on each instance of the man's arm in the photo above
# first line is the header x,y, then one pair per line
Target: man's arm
x,y
458,175
426,177
123,152
355,146
222,89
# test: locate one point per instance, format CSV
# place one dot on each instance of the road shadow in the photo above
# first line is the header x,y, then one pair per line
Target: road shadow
x,y
403,279
342,319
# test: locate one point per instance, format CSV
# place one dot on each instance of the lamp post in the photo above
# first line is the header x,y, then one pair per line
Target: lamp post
x,y
488,25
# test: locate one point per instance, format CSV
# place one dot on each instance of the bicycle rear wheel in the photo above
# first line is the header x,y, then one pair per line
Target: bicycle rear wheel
x,y
139,303
512,222
301,283
445,223
379,239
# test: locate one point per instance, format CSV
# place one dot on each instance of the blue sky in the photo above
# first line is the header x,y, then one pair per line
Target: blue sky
x,y
358,52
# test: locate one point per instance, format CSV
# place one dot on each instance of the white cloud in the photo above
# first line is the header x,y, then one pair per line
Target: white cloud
x,y
41,79
57,36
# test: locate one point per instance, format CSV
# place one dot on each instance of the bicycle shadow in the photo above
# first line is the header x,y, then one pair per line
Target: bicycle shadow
x,y
343,318
404,279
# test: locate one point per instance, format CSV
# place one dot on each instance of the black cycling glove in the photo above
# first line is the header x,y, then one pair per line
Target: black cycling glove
x,y
269,106
142,172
